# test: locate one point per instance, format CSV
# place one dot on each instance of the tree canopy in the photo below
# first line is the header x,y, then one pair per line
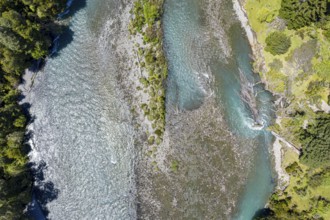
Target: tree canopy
x,y
315,140
26,32
301,13
277,43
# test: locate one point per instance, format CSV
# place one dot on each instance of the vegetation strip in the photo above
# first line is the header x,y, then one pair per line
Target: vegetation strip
x,y
147,23
27,28
294,39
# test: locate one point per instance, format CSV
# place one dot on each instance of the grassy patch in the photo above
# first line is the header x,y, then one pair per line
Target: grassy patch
x,y
278,79
174,166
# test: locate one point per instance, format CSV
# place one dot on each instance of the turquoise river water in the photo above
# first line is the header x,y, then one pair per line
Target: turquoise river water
x,y
208,53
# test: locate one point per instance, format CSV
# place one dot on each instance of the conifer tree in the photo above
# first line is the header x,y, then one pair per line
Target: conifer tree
x,y
301,13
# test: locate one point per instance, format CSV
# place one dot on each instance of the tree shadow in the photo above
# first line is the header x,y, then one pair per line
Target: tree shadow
x,y
264,213
73,7
43,192
61,42
328,9
66,36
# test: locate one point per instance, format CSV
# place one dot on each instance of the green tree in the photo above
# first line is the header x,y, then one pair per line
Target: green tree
x,y
315,141
11,40
301,13
277,43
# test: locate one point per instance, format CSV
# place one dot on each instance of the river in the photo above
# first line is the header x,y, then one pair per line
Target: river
x,y
82,129
84,136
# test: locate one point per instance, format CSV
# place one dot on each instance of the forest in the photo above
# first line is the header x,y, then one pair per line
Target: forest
x,y
27,28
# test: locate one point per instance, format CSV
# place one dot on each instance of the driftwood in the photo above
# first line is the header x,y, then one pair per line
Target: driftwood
x,y
289,144
248,96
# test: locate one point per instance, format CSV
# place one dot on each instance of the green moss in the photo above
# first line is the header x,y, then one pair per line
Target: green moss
x,y
266,15
174,166
149,153
158,141
323,70
276,65
144,82
151,140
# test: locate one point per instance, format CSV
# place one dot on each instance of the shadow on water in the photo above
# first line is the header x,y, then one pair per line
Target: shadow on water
x,y
43,191
264,213
74,7
62,41
66,37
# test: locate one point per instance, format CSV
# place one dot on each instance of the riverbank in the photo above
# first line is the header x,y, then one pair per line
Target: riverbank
x,y
301,86
259,62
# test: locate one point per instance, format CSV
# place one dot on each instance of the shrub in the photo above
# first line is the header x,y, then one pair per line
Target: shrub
x,y
316,180
151,140
147,21
151,12
300,191
293,169
174,165
326,33
278,43
266,15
